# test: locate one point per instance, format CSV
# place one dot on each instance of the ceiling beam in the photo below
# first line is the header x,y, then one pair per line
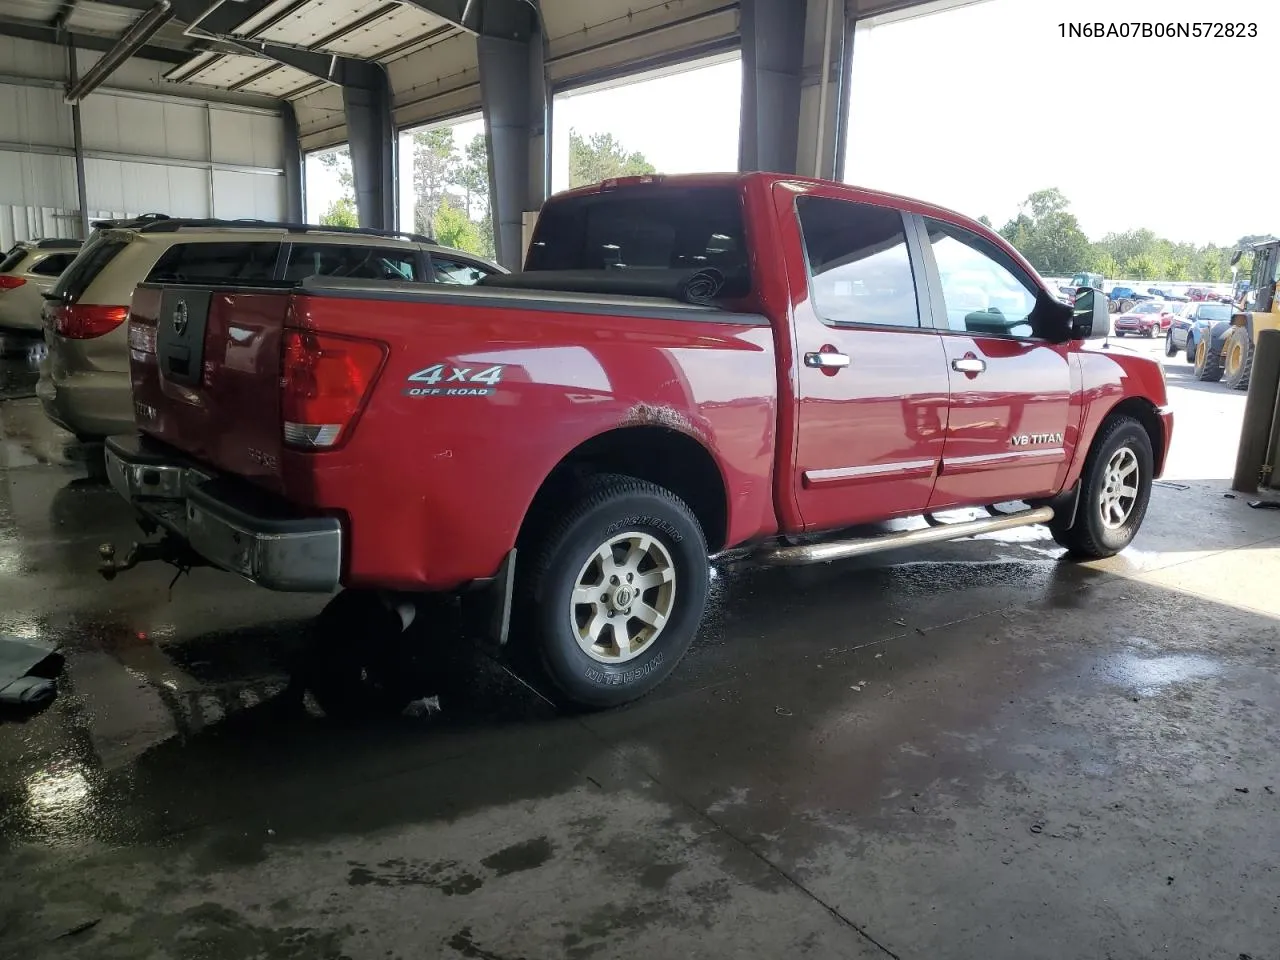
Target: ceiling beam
x,y
509,19
218,22
44,33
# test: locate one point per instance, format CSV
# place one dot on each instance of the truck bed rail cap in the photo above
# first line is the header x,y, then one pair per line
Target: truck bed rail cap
x,y
549,301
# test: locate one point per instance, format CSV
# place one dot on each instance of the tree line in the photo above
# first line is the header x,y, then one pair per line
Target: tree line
x,y
1049,236
451,185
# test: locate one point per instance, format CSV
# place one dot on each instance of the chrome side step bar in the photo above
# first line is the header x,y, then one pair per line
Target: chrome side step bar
x,y
843,549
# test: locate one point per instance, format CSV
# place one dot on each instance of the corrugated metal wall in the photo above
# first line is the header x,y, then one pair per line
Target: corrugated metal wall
x,y
144,153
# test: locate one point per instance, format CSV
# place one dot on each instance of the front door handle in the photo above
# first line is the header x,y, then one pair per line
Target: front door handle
x,y
968,365
827,361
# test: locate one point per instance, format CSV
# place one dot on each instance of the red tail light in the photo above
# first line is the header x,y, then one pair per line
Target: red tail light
x,y
8,282
324,382
78,322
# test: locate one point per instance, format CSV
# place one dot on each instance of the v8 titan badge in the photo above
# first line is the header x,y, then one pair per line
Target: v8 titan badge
x,y
455,381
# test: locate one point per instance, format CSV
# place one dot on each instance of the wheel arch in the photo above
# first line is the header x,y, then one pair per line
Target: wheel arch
x,y
1147,414
669,458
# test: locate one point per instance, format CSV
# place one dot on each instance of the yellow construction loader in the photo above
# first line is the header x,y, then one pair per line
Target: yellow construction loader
x,y
1257,310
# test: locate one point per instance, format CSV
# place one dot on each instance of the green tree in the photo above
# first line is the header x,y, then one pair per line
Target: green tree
x,y
341,213
599,157
1102,261
1143,266
1177,269
435,162
1048,234
472,174
453,228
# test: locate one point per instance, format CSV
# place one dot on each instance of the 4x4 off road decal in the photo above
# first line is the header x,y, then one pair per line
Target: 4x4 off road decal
x,y
442,380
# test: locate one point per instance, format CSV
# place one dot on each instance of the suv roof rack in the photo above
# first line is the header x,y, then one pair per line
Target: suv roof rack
x,y
56,244
159,223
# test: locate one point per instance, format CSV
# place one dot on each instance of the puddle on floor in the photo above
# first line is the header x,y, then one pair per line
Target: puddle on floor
x,y
1150,675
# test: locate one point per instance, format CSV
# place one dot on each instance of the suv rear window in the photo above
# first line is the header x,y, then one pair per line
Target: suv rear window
x,y
218,262
360,262
643,227
12,258
94,255
52,265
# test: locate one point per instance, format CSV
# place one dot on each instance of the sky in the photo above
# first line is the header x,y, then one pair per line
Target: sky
x,y
976,107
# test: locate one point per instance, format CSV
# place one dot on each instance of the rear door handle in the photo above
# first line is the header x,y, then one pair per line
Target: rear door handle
x,y
827,361
968,365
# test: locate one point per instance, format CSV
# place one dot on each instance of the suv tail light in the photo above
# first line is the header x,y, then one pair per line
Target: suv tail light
x,y
324,382
78,322
9,282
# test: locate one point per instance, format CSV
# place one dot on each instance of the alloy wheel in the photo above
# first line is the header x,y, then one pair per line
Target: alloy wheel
x,y
1119,488
623,597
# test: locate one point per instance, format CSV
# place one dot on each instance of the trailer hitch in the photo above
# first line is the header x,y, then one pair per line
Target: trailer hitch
x,y
168,549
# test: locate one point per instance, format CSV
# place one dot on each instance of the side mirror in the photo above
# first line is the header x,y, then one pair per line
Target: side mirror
x,y
1090,319
1235,257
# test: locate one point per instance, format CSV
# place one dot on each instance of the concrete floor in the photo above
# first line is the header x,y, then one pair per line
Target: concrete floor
x,y
976,750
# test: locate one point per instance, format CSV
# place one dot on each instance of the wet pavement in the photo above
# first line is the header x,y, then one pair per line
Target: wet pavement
x,y
971,750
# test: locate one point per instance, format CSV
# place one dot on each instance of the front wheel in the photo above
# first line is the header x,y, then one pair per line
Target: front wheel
x,y
1170,348
616,592
1114,492
1153,332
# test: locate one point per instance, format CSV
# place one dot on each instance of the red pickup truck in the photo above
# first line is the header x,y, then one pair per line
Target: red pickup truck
x,y
687,365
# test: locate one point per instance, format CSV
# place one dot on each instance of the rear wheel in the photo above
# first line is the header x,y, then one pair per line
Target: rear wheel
x,y
1208,362
1238,363
1170,348
616,592
1114,492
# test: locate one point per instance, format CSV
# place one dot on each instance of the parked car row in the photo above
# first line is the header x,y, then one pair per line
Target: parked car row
x,y
79,296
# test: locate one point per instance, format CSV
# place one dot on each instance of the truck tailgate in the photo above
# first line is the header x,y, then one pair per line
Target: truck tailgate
x,y
206,374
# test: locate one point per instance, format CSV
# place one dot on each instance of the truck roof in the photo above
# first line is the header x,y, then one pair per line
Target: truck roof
x,y
766,179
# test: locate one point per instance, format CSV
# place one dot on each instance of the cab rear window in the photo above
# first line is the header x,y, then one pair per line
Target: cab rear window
x,y
646,227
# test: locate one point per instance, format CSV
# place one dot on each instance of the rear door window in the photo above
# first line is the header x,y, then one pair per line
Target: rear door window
x,y
52,265
357,262
859,266
101,249
219,262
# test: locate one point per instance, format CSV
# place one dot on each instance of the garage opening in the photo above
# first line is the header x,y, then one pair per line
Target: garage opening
x,y
444,183
645,124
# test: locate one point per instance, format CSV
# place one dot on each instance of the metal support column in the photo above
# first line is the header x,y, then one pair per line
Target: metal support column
x,y
366,100
517,109
291,160
773,43
824,94
77,142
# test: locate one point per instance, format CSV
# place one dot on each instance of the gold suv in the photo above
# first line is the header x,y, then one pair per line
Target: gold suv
x,y
84,382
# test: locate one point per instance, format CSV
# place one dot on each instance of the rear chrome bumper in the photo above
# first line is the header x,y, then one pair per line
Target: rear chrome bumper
x,y
233,527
